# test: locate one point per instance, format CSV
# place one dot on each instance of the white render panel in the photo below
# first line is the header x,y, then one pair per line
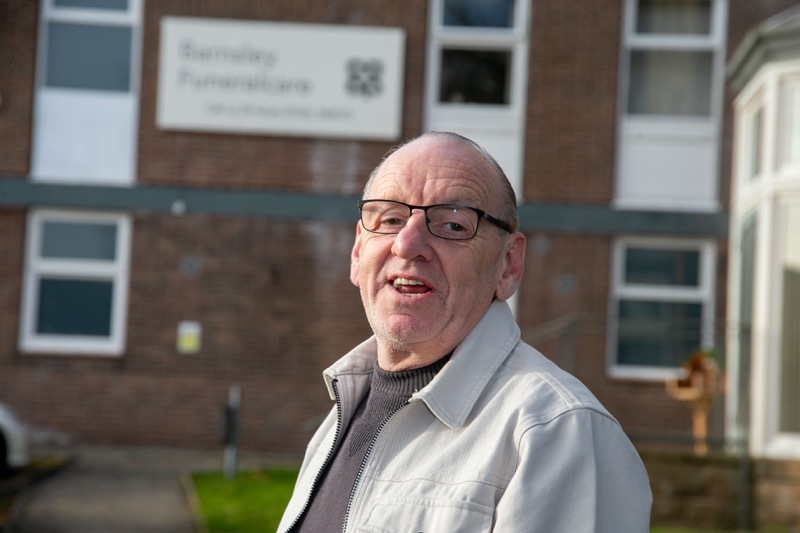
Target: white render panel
x,y
86,137
668,173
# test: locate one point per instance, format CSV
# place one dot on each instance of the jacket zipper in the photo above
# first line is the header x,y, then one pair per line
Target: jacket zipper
x,y
337,436
364,464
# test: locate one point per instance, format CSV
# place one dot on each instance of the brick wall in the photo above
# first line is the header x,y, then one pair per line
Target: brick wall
x,y
18,23
571,126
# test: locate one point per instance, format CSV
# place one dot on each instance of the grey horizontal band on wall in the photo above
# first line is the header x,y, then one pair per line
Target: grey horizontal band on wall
x,y
546,217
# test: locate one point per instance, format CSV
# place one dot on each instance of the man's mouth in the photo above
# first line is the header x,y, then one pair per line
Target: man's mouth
x,y
410,286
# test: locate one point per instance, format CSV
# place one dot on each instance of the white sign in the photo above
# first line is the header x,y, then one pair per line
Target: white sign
x,y
280,78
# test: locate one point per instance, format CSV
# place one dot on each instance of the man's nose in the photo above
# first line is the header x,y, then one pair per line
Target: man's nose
x,y
414,239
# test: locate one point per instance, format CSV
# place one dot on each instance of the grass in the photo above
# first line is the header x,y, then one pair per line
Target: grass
x,y
251,502
773,529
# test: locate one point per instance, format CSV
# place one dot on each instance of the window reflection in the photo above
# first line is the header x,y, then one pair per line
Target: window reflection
x,y
790,115
74,307
684,17
479,13
83,56
670,83
756,143
662,267
115,5
789,419
73,240
475,77
658,334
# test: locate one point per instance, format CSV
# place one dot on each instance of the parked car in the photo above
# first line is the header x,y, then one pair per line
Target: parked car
x,y
14,441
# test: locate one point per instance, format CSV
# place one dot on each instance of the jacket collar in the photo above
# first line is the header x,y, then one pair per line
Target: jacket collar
x,y
452,394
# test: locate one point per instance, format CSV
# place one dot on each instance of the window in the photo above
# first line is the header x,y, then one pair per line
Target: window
x,y
670,102
89,44
790,126
474,77
477,75
472,74
76,280
86,107
756,140
739,374
86,56
670,83
662,309
670,69
789,273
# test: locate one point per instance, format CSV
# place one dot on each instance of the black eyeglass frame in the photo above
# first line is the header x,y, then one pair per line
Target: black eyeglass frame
x,y
480,212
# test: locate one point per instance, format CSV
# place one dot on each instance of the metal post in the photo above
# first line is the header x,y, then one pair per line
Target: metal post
x,y
231,436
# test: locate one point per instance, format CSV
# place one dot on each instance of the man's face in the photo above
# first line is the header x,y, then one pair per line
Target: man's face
x,y
423,294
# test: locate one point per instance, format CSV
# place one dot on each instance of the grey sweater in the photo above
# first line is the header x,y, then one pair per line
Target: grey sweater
x,y
389,392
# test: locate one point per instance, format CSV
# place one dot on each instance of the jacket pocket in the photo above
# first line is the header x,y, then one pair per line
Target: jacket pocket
x,y
419,515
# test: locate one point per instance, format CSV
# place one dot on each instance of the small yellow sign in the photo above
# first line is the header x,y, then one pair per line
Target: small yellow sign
x,y
189,337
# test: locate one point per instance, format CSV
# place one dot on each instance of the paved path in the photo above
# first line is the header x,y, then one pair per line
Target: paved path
x,y
115,491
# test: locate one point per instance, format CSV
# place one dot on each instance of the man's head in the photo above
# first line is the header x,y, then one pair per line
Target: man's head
x,y
423,293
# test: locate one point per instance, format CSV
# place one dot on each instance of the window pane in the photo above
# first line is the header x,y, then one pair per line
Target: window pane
x,y
747,258
660,334
74,307
475,77
74,240
670,83
81,56
479,13
674,17
791,118
790,317
116,5
662,267
756,143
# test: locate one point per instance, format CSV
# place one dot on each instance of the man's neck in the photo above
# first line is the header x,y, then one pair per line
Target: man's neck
x,y
395,359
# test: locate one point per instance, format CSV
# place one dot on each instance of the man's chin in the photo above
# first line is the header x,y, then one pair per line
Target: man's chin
x,y
404,329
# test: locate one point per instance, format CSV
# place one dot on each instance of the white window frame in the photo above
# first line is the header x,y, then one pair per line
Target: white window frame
x,y
514,40
703,294
661,131
72,142
713,43
500,129
788,123
36,267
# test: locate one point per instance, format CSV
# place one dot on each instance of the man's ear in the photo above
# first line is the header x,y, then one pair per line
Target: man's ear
x,y
355,256
512,267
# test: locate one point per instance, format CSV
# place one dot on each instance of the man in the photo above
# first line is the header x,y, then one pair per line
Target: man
x,y
444,420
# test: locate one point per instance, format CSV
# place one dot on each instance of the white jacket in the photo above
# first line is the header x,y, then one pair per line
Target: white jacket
x,y
500,440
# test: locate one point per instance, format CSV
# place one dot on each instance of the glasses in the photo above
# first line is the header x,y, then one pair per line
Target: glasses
x,y
446,221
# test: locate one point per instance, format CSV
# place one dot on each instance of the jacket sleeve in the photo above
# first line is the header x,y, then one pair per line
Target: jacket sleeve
x,y
576,473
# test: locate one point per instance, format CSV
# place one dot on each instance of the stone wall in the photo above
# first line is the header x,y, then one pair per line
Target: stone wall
x,y
724,492
777,493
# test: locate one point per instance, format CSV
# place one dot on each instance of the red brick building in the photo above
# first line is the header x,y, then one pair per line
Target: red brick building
x,y
154,260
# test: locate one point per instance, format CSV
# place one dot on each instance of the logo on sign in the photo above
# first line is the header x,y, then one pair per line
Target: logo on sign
x,y
364,77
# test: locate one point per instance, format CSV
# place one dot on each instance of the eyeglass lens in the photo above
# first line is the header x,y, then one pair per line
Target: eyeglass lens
x,y
445,221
